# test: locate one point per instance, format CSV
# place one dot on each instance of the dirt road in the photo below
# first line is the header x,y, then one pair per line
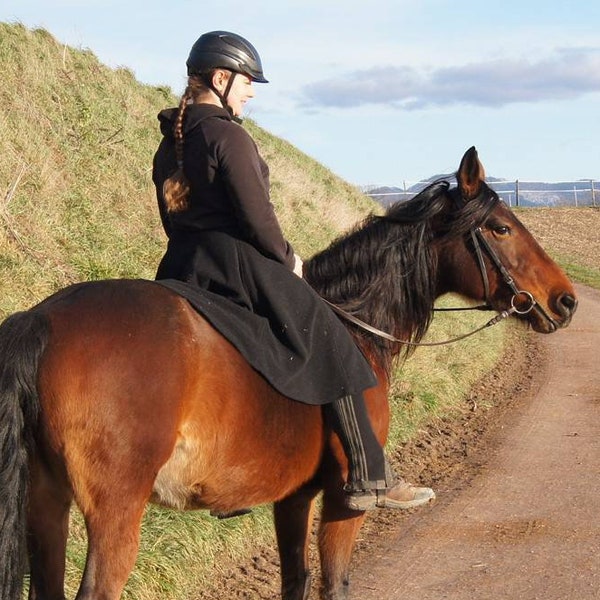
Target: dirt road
x,y
528,525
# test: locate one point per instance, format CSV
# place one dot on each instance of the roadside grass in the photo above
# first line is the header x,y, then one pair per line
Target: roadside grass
x,y
577,272
78,204
180,552
434,382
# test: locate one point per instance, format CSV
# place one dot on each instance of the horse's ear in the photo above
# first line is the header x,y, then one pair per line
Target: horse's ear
x,y
470,174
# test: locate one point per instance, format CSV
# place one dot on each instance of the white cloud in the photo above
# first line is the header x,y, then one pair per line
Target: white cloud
x,y
569,73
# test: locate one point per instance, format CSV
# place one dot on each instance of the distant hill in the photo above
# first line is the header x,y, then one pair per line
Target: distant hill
x,y
585,192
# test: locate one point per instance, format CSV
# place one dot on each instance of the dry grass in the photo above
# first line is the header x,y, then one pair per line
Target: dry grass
x,y
568,232
77,203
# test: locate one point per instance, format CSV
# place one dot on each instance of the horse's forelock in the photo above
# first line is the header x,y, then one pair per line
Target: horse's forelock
x,y
473,213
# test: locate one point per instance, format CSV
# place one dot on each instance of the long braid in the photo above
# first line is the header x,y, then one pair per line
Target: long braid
x,y
176,188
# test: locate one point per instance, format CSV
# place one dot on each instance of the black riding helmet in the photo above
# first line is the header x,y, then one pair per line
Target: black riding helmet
x,y
225,50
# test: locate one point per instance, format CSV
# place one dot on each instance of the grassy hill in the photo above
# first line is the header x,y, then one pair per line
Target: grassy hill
x,y
77,203
77,140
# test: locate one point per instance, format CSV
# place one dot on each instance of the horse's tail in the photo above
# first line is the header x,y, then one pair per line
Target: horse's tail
x,y
23,337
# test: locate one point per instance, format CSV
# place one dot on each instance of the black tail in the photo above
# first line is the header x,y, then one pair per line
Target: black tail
x,y
23,337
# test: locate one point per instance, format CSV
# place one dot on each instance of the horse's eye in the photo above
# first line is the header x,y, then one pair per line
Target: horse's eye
x,y
501,230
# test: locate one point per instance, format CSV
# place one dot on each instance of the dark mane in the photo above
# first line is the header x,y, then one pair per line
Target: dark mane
x,y
384,271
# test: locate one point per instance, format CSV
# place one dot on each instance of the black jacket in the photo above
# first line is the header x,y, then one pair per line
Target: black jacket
x,y
229,181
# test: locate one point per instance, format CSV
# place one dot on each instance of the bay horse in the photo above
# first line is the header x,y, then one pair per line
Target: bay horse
x,y
116,393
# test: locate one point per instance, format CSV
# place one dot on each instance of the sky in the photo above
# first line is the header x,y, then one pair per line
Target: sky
x,y
382,93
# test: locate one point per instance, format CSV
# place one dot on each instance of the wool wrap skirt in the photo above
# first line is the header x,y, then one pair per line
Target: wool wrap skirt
x,y
278,323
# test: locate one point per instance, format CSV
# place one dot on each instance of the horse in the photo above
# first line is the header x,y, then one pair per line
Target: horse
x,y
115,393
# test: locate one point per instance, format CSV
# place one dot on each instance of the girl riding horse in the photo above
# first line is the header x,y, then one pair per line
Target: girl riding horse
x,y
213,194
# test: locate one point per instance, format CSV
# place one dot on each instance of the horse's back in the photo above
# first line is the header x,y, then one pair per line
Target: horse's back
x,y
134,382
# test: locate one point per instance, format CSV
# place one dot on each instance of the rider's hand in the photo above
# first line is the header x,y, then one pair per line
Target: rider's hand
x,y
298,265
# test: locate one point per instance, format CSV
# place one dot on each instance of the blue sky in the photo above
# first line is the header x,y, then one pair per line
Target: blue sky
x,y
380,92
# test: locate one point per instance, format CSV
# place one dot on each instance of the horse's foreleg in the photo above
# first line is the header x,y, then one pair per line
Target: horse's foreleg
x,y
293,520
47,529
337,536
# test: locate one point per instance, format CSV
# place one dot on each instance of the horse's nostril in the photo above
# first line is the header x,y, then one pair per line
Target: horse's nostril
x,y
567,301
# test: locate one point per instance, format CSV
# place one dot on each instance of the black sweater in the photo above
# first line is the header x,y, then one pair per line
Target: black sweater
x,y
229,181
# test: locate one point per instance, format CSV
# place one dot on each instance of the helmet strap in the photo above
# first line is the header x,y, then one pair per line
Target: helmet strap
x,y
223,96
229,84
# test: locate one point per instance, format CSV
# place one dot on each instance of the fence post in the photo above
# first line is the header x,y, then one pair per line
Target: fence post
x,y
593,193
517,192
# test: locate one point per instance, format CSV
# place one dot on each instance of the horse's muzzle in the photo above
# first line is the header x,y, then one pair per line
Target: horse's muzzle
x,y
564,305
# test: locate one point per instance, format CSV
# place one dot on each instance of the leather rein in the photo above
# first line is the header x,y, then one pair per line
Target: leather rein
x,y
522,302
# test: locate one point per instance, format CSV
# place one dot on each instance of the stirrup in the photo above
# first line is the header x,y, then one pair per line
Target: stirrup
x,y
403,495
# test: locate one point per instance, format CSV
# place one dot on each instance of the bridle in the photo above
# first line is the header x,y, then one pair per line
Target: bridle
x,y
522,302
478,241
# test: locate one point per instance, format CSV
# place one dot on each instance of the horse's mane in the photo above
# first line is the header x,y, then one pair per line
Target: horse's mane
x,y
384,270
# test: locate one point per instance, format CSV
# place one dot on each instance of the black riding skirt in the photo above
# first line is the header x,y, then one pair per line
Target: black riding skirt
x,y
274,318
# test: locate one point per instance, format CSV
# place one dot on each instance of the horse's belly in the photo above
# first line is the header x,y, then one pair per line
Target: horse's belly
x,y
201,475
175,485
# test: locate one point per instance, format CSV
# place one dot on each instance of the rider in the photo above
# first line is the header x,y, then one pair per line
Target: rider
x,y
213,195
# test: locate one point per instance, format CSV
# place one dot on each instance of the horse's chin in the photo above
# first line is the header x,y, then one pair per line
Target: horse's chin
x,y
543,326
541,322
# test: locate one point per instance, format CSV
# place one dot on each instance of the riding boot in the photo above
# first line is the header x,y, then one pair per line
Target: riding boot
x,y
371,482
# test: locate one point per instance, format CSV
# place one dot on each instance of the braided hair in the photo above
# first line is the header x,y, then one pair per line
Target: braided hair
x,y
176,188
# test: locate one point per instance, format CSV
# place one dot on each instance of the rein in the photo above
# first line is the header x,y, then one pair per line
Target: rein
x,y
497,319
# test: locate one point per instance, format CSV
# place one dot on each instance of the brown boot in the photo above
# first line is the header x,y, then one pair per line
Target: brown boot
x,y
401,495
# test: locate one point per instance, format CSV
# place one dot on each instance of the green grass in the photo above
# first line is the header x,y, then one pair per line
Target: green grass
x,y
577,272
179,551
78,203
435,380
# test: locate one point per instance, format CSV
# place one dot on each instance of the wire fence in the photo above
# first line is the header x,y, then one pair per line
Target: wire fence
x,y
584,192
